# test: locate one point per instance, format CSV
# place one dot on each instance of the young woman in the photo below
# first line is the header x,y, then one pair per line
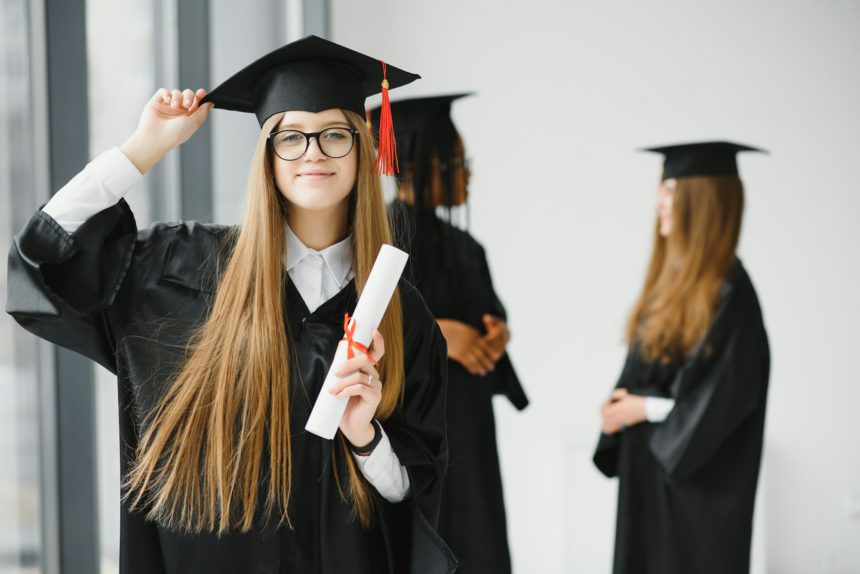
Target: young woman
x,y
683,429
451,271
221,337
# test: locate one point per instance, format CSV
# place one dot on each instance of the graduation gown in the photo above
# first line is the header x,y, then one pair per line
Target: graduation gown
x,y
450,269
687,485
129,300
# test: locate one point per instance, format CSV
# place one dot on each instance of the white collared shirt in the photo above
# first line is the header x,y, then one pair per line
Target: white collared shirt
x,y
318,276
658,408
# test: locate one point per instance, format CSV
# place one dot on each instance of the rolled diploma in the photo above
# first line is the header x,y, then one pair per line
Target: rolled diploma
x,y
387,269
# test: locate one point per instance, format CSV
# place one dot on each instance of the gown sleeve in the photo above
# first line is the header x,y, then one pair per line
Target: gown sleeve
x,y
418,436
417,430
505,380
61,285
719,387
606,453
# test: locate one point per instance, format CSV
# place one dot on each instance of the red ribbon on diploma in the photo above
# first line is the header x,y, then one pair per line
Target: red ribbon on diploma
x,y
352,344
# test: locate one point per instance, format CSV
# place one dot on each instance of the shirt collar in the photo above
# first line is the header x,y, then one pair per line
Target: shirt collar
x,y
337,257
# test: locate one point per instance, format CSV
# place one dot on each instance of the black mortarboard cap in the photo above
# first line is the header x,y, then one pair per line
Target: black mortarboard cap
x,y
420,114
311,75
701,158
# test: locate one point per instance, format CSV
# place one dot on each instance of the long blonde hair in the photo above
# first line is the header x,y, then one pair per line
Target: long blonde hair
x,y
198,463
688,268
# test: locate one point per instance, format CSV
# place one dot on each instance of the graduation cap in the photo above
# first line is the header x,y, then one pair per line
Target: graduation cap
x,y
312,75
421,114
701,159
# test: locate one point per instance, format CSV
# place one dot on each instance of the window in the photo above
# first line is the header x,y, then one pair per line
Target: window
x,y
21,547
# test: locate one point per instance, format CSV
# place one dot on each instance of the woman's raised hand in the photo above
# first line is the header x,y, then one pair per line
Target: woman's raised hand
x,y
168,120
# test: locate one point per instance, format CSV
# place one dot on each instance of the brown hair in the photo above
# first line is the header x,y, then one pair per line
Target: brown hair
x,y
198,463
688,268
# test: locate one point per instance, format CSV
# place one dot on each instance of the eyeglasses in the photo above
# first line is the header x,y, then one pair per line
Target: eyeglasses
x,y
290,145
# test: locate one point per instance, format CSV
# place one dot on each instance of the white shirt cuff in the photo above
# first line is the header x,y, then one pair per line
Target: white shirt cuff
x,y
658,408
382,469
101,184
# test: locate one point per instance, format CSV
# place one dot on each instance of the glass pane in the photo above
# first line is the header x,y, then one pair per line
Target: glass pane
x,y
20,524
121,67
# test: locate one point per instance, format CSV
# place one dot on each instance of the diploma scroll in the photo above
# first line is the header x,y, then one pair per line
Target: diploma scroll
x,y
328,409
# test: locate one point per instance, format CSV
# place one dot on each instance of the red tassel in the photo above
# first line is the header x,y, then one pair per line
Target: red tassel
x,y
386,156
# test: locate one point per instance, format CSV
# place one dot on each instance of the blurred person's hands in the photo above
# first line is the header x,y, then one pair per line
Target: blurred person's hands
x,y
621,411
467,347
497,336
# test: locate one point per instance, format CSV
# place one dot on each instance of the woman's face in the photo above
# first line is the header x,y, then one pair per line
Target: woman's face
x,y
664,206
459,192
315,182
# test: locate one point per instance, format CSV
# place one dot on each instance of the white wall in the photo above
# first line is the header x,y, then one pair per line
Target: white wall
x,y
567,90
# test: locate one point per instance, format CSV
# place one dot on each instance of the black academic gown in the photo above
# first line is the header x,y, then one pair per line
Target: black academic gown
x,y
687,485
128,300
450,269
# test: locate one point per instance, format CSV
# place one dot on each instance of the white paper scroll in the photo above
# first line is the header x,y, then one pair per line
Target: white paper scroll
x,y
328,409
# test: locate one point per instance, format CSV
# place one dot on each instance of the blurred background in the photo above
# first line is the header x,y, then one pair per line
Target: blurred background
x,y
566,91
